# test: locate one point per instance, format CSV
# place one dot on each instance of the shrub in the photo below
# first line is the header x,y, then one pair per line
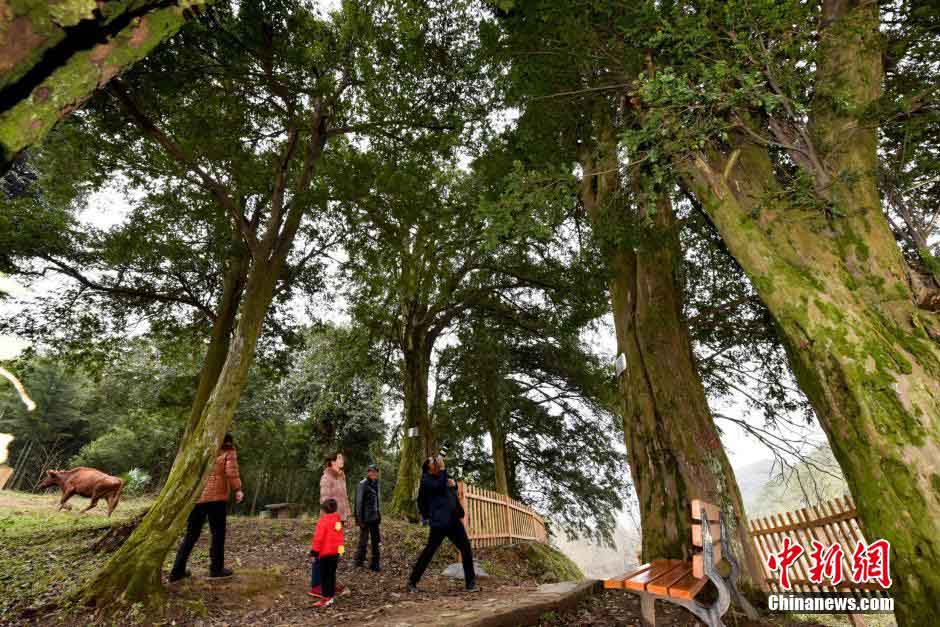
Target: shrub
x,y
135,482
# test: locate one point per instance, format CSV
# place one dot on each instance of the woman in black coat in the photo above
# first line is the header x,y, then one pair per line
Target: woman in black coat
x,y
438,502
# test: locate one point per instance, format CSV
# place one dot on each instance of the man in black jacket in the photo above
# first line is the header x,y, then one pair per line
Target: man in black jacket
x,y
437,499
368,516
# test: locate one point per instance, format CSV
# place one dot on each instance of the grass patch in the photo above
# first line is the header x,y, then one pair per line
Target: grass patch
x,y
45,553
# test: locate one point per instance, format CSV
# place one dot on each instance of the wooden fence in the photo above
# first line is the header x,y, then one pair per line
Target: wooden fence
x,y
830,522
493,519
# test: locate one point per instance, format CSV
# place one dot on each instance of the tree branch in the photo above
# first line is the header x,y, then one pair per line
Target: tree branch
x,y
217,189
74,273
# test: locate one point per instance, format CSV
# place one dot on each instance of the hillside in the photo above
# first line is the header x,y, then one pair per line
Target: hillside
x,y
762,489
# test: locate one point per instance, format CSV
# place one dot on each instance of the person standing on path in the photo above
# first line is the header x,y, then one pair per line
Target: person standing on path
x,y
368,514
212,505
438,497
332,486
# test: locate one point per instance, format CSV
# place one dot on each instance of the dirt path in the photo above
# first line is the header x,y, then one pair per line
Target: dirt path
x,y
273,579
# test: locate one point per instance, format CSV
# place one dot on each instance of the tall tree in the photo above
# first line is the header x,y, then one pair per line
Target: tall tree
x,y
426,253
547,407
770,116
672,442
53,55
414,259
289,84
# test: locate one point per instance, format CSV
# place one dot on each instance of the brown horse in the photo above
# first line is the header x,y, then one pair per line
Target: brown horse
x,y
86,482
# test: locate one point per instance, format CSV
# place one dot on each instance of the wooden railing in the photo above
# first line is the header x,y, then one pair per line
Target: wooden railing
x,y
830,522
493,519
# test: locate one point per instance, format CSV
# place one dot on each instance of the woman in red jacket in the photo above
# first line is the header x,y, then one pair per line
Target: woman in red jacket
x,y
327,546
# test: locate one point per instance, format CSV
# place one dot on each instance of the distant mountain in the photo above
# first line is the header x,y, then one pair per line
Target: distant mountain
x,y
601,562
765,490
752,478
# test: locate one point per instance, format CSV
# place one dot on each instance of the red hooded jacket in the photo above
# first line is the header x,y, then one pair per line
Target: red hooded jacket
x,y
328,537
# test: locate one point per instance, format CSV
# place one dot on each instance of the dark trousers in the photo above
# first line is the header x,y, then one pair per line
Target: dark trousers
x,y
328,566
458,535
367,531
315,573
215,512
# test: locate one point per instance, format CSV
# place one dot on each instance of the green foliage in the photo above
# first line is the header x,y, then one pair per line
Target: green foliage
x,y
128,415
61,423
142,438
329,400
910,132
551,401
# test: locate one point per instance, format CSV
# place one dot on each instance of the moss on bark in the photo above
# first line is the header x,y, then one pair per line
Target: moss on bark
x,y
134,572
413,449
54,55
836,287
672,443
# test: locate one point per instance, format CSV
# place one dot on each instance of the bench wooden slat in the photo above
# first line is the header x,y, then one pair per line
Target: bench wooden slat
x,y
660,567
697,534
698,561
687,587
617,582
710,510
661,584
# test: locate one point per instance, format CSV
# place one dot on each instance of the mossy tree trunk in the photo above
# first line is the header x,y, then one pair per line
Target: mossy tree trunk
x,y
54,55
837,286
416,346
673,446
133,573
233,285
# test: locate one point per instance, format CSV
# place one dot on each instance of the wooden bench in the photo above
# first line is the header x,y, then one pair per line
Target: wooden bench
x,y
679,582
285,510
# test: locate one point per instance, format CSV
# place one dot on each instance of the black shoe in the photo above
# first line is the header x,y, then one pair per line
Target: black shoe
x,y
174,577
472,587
375,568
412,587
222,574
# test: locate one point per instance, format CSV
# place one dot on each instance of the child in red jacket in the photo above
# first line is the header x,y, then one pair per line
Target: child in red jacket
x,y
327,547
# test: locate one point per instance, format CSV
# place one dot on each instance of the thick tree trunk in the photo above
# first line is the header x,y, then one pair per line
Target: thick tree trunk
x,y
673,446
414,450
866,357
498,440
675,452
133,573
54,55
